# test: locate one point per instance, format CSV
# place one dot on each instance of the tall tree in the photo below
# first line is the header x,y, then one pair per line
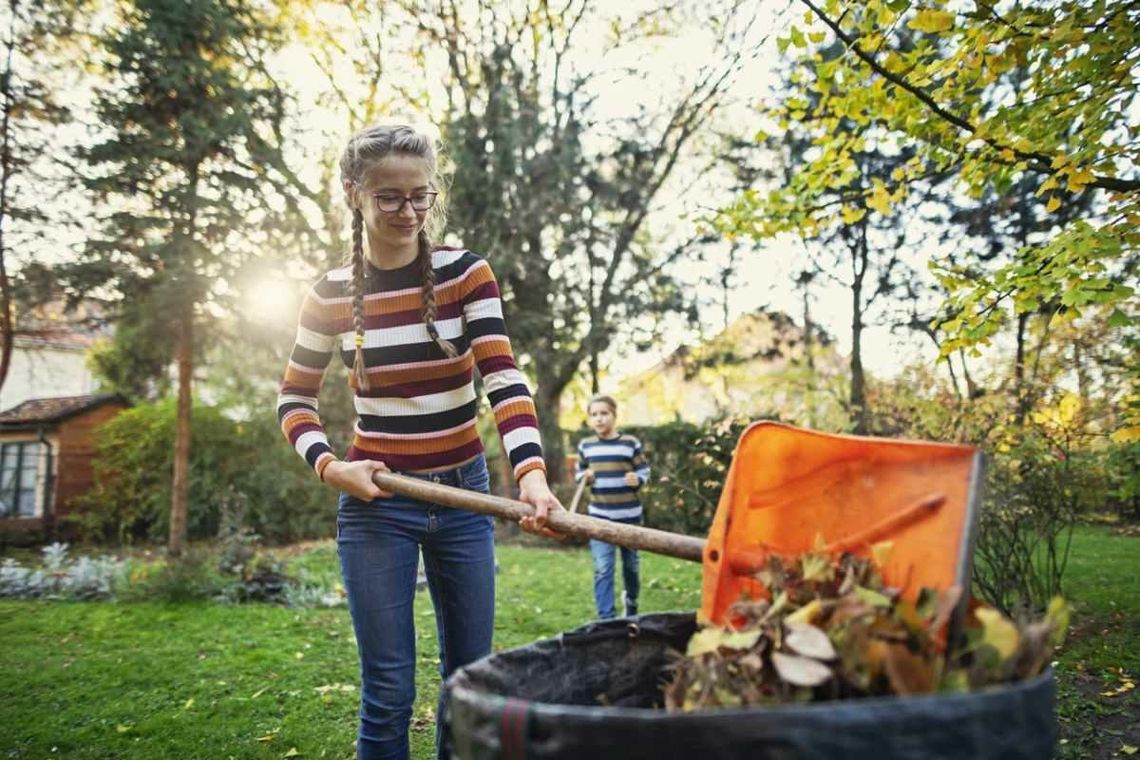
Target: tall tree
x,y
37,38
561,196
1001,227
189,122
854,245
938,81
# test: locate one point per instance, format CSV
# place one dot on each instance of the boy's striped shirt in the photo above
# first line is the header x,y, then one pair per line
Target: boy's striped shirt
x,y
611,459
419,411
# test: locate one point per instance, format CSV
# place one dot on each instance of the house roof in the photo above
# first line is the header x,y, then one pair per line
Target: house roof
x,y
65,340
40,411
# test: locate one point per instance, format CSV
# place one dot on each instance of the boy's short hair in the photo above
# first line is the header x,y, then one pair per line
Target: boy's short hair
x,y
601,398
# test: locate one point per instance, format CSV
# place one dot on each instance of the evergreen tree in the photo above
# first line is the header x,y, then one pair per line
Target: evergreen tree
x,y
182,166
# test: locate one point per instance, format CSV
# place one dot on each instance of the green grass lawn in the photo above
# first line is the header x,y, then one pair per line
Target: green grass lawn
x,y
145,680
1103,650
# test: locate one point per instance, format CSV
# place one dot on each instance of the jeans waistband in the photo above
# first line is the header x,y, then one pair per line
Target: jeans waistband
x,y
449,477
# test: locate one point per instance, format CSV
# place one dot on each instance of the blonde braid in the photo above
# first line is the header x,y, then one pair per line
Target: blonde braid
x,y
429,307
359,377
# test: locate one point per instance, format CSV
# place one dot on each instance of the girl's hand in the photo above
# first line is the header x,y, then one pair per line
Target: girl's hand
x,y
588,476
356,478
534,490
631,479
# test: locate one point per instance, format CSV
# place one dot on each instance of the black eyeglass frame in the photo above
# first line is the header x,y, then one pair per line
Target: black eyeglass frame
x,y
429,194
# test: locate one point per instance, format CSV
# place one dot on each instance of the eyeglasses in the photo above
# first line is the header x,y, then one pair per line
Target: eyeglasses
x,y
393,203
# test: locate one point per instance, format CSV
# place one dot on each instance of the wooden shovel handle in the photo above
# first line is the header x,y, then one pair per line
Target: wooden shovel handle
x,y
583,526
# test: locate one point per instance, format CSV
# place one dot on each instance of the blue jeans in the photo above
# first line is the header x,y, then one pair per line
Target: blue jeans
x,y
379,544
604,559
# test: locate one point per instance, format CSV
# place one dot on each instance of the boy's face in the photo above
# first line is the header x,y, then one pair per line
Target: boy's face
x,y
602,418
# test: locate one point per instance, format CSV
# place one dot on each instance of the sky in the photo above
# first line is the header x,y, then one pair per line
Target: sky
x,y
764,277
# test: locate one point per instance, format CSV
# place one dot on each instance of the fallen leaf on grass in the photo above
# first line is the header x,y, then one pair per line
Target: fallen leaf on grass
x,y
334,687
1124,688
1128,749
293,752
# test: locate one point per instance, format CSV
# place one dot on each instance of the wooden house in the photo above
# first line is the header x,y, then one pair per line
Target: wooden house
x,y
46,453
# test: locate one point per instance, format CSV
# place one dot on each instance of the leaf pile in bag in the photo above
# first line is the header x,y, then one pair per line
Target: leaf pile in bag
x,y
833,630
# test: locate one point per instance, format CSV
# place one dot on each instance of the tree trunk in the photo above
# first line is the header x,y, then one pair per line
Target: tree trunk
x,y
858,381
595,385
953,375
180,489
1020,395
7,332
809,348
1082,373
547,398
972,390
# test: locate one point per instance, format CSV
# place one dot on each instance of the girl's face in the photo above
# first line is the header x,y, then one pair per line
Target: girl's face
x,y
602,418
397,182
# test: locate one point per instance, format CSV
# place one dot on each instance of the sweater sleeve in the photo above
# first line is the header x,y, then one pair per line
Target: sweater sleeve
x,y
506,387
300,388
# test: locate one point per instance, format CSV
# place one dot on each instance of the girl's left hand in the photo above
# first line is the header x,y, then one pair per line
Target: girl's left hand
x,y
534,490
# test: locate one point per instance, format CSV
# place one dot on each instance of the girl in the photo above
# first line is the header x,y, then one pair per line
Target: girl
x,y
411,320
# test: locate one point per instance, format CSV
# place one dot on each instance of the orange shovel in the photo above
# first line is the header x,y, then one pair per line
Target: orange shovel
x,y
787,490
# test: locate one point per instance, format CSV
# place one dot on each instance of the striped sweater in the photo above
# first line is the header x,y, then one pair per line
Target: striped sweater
x,y
611,459
419,411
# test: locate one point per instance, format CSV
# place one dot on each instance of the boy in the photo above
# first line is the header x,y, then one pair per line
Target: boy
x,y
617,469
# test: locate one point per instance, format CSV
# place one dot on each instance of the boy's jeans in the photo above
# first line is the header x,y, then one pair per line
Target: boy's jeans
x,y
604,558
379,544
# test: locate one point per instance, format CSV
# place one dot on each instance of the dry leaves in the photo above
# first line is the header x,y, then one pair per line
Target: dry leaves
x,y
833,630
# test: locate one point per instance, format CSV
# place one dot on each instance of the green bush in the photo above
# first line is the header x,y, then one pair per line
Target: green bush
x,y
191,577
229,460
1122,466
1036,491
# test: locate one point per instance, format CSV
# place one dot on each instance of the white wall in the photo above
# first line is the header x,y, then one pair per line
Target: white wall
x,y
45,372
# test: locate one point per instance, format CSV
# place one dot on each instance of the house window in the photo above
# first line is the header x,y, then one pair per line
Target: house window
x,y
19,463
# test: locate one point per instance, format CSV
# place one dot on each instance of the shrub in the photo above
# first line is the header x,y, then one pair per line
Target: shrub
x,y
263,579
191,577
1122,465
1035,493
61,577
229,460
